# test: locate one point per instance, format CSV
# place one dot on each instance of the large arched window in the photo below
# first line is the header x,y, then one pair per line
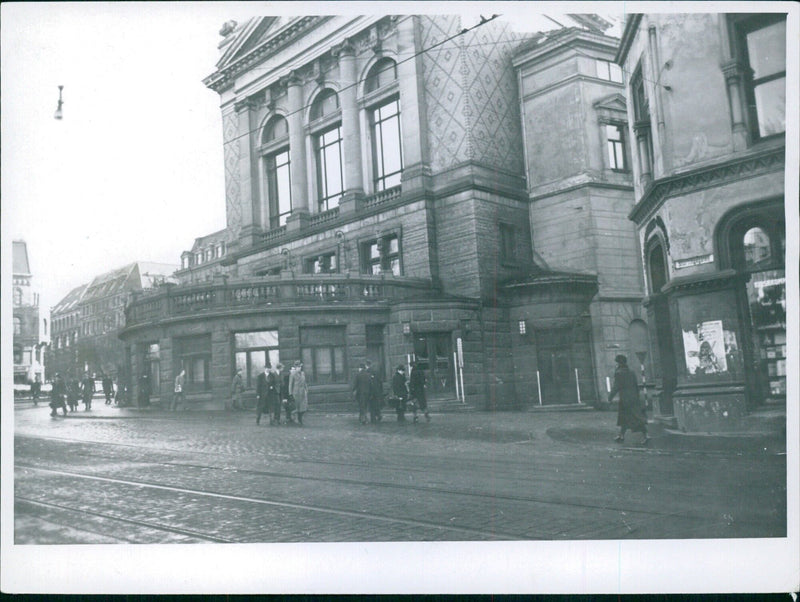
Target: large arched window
x,y
17,325
278,183
327,141
656,267
384,123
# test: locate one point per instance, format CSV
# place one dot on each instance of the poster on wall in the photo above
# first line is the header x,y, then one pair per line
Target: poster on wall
x,y
704,348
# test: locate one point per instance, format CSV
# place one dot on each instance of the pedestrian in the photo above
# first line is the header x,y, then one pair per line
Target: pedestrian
x,y
298,390
262,388
400,392
178,395
287,401
87,391
108,388
237,387
144,389
121,396
73,390
362,389
375,395
57,394
416,386
274,395
631,413
36,390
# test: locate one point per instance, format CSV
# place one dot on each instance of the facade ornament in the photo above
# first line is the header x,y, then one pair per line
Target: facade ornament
x,y
228,28
247,103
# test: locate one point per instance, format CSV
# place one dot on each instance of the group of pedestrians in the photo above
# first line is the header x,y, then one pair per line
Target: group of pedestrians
x,y
69,392
409,394
277,390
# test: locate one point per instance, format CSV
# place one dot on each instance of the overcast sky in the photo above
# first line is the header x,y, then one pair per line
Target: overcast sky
x,y
134,171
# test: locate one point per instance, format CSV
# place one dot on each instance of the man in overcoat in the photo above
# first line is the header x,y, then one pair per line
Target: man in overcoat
x,y
362,388
87,391
631,411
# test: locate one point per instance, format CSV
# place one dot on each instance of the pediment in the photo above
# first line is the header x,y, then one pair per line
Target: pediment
x,y
613,102
250,36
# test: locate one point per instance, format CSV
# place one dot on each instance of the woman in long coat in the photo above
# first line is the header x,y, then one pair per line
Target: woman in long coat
x,y
631,412
298,389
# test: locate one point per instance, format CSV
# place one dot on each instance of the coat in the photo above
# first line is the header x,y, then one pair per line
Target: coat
x,y
363,386
87,388
399,389
298,389
416,383
267,386
631,412
57,393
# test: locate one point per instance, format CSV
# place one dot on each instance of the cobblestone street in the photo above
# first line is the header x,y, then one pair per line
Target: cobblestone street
x,y
119,475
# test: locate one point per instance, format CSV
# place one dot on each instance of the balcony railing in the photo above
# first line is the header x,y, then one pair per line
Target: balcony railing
x,y
221,296
379,198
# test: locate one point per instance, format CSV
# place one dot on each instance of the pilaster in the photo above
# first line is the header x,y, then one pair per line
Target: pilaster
x,y
297,155
353,173
248,177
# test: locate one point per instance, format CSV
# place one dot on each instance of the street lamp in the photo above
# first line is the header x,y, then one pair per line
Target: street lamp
x,y
59,114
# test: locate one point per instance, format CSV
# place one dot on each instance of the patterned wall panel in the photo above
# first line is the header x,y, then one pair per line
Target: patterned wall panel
x,y
444,91
492,106
233,208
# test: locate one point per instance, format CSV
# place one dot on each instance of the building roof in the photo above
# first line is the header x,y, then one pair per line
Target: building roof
x,y
214,237
70,301
152,274
19,253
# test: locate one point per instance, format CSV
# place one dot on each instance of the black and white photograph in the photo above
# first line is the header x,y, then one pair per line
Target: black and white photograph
x,y
400,297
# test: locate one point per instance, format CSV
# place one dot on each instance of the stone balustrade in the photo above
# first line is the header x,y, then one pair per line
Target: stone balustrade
x,y
222,295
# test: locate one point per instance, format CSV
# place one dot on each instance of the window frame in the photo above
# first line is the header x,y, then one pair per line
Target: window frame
x,y
269,150
377,143
366,261
250,377
742,25
186,359
308,353
621,129
309,263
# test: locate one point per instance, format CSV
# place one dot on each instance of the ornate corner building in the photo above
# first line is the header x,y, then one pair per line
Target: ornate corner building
x,y
30,330
404,188
709,184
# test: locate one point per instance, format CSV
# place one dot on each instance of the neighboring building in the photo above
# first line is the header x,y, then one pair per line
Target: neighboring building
x,y
30,330
707,110
582,305
87,320
377,208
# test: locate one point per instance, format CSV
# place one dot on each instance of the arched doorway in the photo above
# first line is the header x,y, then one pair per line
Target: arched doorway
x,y
657,277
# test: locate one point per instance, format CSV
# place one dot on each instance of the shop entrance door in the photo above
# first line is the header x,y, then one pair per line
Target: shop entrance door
x,y
433,352
556,375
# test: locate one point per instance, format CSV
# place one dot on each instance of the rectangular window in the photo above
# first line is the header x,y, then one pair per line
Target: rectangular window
x,y
253,350
152,363
609,71
194,355
387,151
322,349
381,255
762,44
641,125
325,263
330,176
507,244
279,188
615,142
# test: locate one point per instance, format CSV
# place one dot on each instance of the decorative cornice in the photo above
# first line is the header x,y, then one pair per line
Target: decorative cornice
x,y
735,169
702,283
224,77
631,28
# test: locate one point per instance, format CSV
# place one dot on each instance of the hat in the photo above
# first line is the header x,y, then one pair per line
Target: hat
x,y
298,363
621,359
401,368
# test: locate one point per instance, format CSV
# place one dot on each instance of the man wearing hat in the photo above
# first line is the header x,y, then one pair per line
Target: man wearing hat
x,y
400,392
298,389
631,412
362,388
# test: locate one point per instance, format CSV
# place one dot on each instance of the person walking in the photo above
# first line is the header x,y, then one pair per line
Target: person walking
x,y
57,394
72,387
274,396
36,390
263,393
400,392
87,391
108,388
298,390
178,396
631,413
416,387
362,389
375,395
287,401
237,387
144,389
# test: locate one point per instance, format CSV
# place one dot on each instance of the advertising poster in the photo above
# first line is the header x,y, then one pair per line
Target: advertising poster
x,y
704,348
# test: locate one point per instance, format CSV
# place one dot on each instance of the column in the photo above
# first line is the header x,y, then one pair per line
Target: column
x,y
248,175
412,108
297,154
351,131
733,80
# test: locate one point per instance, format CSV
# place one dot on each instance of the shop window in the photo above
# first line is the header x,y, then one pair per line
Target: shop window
x,y
325,263
615,145
761,41
756,247
608,71
152,363
322,349
253,351
381,255
194,355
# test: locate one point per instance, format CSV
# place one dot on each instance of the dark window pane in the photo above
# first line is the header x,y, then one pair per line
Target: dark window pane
x,y
766,50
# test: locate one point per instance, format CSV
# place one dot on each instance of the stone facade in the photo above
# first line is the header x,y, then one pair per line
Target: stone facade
x,y
710,210
31,334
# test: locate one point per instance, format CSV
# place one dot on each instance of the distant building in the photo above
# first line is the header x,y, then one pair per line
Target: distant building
x,y
87,320
31,333
707,114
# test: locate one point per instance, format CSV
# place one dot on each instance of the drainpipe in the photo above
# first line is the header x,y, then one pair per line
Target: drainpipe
x,y
655,61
